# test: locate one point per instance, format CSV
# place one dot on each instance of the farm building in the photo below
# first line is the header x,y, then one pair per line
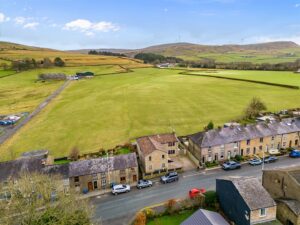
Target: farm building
x,y
86,74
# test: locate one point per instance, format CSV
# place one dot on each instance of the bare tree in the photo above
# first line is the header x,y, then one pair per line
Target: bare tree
x,y
254,108
74,154
36,199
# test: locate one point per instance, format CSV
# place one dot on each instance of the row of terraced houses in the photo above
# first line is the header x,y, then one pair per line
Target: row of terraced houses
x,y
255,139
157,154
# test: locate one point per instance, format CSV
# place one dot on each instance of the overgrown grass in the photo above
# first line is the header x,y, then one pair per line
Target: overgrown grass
x,y
109,110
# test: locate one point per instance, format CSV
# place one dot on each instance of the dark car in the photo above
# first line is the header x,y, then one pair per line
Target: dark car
x,y
169,177
295,153
144,183
270,159
231,165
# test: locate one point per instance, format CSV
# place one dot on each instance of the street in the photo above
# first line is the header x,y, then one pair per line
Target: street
x,y
118,210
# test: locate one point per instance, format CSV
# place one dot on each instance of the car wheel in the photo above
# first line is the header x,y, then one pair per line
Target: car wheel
x,y
150,185
116,193
140,187
127,191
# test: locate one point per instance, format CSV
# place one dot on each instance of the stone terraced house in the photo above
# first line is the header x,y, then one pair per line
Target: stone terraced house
x,y
224,143
157,153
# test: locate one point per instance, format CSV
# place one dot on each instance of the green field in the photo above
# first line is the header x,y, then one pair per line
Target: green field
x,y
278,77
112,109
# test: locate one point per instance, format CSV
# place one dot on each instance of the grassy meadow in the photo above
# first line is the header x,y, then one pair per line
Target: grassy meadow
x,y
112,109
279,77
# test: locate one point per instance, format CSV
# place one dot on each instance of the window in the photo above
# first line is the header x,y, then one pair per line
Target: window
x,y
123,179
162,156
261,140
170,152
254,150
95,185
260,147
150,158
163,165
262,212
150,167
171,144
248,142
103,182
296,142
222,155
272,138
242,152
283,144
103,175
76,179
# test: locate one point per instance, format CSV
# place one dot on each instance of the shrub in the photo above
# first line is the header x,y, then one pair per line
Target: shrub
x,y
239,158
140,219
211,164
149,213
171,206
210,198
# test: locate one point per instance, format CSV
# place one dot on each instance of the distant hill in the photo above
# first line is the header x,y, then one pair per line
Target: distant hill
x,y
12,51
271,52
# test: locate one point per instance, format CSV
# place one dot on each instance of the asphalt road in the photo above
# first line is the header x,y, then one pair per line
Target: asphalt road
x,y
118,210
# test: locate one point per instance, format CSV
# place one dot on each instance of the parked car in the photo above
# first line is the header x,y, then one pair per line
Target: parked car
x,y
120,188
231,165
295,153
270,159
196,192
255,162
144,183
169,177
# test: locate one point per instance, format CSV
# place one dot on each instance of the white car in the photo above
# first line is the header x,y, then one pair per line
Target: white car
x,y
120,188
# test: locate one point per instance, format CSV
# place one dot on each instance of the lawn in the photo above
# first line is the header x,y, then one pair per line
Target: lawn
x,y
279,77
109,110
175,219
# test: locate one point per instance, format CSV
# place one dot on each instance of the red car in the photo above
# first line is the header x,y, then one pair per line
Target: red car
x,y
195,192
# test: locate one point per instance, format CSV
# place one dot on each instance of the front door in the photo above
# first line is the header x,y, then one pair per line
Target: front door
x,y
290,145
90,186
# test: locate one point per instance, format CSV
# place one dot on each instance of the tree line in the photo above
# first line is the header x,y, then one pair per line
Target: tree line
x,y
212,64
27,64
156,58
94,52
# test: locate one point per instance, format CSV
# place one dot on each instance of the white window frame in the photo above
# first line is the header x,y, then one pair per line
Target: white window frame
x,y
260,212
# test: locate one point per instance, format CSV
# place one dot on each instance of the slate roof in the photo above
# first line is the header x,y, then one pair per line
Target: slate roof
x,y
148,144
252,191
238,133
12,169
61,170
94,166
205,217
293,171
293,205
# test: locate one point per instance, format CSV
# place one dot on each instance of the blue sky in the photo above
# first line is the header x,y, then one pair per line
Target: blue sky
x,y
74,24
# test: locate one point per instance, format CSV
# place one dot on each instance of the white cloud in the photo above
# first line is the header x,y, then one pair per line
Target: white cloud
x,y
88,27
20,20
32,25
3,18
297,5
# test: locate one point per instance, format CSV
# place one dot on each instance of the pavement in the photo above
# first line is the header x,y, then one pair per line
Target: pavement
x,y
120,209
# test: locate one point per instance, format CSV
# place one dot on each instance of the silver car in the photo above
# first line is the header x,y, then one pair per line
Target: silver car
x,y
144,183
120,188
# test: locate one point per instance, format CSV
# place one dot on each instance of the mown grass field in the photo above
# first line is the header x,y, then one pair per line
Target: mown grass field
x,y
20,92
278,77
113,109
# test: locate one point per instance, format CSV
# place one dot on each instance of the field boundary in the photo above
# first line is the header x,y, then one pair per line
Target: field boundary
x,y
244,80
39,108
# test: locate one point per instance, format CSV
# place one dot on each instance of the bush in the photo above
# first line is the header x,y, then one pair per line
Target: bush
x,y
171,206
140,219
210,199
211,164
239,158
149,213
